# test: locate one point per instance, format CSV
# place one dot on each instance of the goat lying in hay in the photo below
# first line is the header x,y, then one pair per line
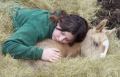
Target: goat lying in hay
x,y
95,44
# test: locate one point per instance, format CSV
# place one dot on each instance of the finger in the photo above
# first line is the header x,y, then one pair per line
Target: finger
x,y
57,54
54,59
55,49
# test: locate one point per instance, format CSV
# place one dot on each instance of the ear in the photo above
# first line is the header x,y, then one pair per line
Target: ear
x,y
109,32
101,25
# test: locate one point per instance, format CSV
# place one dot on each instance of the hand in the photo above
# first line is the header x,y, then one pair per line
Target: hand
x,y
51,54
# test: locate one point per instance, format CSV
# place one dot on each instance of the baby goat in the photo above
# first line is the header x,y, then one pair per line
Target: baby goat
x,y
95,44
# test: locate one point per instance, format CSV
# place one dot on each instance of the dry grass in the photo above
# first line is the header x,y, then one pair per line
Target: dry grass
x,y
77,67
84,8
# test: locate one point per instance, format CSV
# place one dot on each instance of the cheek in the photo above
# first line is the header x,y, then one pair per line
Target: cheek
x,y
55,33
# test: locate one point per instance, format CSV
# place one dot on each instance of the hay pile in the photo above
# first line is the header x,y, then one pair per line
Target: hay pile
x,y
77,67
111,10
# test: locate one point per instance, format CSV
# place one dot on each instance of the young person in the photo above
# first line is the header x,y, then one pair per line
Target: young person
x,y
33,25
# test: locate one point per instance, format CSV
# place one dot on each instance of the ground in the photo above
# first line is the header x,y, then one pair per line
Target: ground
x,y
68,67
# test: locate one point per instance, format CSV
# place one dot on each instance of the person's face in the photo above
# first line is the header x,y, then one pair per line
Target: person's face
x,y
62,37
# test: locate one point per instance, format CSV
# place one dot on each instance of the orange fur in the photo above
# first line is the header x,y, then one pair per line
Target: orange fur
x,y
66,50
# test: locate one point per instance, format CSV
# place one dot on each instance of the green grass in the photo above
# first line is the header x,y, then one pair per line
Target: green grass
x,y
76,67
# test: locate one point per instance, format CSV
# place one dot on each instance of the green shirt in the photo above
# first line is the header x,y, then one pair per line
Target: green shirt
x,y
31,26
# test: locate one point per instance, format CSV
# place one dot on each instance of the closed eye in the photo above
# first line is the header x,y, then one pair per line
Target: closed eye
x,y
63,33
95,43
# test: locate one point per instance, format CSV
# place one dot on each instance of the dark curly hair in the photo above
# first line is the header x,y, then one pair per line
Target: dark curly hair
x,y
75,24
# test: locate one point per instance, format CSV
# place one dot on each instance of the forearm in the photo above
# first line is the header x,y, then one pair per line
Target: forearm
x,y
20,51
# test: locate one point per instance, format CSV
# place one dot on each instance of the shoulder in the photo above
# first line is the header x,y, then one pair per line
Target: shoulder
x,y
29,11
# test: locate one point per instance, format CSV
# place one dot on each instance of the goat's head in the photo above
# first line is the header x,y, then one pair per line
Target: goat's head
x,y
96,43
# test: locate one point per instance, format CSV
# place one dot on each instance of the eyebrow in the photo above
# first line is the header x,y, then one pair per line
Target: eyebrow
x,y
58,29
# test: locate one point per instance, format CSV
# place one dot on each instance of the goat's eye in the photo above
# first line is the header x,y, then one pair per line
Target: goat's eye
x,y
95,43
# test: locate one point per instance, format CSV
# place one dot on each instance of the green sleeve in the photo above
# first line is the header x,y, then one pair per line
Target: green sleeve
x,y
21,51
21,45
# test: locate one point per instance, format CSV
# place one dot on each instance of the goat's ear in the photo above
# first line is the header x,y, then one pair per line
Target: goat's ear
x,y
101,25
109,32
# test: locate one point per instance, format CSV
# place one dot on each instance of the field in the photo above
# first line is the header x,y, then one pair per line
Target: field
x,y
73,67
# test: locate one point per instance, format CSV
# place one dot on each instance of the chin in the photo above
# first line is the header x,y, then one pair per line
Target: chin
x,y
53,38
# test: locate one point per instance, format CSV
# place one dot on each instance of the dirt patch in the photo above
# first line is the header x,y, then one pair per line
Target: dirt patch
x,y
111,10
